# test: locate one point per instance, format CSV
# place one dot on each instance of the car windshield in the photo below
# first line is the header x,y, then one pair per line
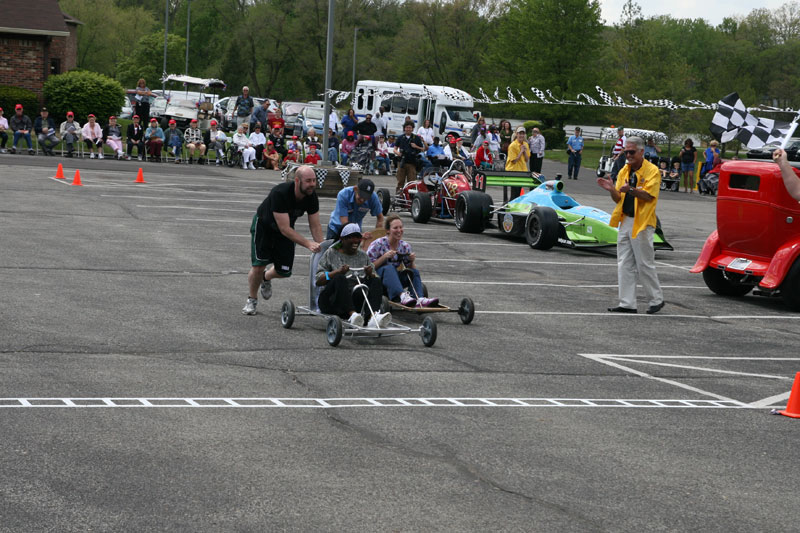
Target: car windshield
x,y
313,113
460,114
292,109
183,103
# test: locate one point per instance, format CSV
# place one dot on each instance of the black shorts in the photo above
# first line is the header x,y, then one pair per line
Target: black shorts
x,y
270,247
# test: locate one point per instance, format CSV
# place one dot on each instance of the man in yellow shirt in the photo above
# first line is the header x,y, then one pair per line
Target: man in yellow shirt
x,y
636,195
518,155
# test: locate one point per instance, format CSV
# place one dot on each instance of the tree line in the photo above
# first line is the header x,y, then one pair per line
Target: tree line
x,y
278,47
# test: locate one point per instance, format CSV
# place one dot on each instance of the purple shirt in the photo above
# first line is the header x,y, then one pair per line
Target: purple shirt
x,y
381,246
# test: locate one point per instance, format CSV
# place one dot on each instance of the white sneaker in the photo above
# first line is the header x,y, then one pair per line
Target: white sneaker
x,y
250,307
244,166
407,300
356,320
427,302
91,156
250,166
100,156
266,289
380,320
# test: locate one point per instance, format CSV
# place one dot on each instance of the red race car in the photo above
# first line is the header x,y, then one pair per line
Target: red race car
x,y
444,196
757,241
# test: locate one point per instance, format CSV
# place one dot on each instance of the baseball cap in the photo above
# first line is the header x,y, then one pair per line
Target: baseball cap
x,y
270,142
112,117
44,109
194,120
350,229
172,121
349,133
294,137
71,114
91,116
485,142
367,137
1,109
365,189
18,106
153,120
213,122
520,129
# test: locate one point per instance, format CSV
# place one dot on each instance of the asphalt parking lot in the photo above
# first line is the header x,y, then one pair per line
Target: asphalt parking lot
x,y
136,396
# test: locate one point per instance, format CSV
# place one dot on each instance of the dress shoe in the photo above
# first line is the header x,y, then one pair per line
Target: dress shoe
x,y
619,309
653,309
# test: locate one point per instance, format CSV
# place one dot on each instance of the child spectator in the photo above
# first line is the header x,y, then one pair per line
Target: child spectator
x,y
272,159
313,157
382,156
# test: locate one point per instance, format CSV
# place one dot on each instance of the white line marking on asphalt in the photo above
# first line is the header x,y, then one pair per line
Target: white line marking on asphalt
x,y
772,400
545,284
197,209
336,403
601,358
643,315
662,263
701,369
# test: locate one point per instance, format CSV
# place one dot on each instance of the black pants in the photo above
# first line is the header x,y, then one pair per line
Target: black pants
x,y
139,147
143,110
337,299
3,139
536,163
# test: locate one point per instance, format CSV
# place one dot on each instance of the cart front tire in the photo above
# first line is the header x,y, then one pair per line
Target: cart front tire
x,y
421,207
473,210
466,310
334,330
287,314
385,198
428,331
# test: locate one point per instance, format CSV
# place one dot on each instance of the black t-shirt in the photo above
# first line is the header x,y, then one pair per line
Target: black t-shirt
x,y
366,128
278,141
281,199
403,143
688,155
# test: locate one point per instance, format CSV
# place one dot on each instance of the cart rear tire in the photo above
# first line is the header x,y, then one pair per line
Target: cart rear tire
x,y
790,288
716,281
428,331
466,310
385,197
287,314
421,207
473,210
334,330
541,228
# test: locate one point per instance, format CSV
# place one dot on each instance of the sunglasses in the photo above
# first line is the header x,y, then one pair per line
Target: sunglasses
x,y
630,152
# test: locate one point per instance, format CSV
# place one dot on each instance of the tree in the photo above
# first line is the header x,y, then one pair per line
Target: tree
x,y
83,92
146,60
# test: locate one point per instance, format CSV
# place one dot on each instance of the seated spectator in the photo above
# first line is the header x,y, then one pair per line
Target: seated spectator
x,y
390,141
651,151
154,140
45,130
70,132
92,135
295,145
712,157
333,146
451,151
337,296
436,154
272,159
276,122
193,138
483,157
3,134
173,140
216,140
662,169
347,146
382,154
279,141
291,156
112,134
259,142
135,135
313,157
21,125
244,145
312,138
367,128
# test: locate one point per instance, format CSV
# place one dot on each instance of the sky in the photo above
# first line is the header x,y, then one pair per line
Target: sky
x,y
712,10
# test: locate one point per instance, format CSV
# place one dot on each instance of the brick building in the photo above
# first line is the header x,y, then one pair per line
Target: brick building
x,y
36,40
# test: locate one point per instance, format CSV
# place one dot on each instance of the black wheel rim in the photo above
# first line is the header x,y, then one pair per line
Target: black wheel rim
x,y
534,229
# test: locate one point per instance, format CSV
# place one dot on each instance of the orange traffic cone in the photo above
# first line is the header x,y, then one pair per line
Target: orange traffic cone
x,y
140,177
793,405
59,173
522,191
77,179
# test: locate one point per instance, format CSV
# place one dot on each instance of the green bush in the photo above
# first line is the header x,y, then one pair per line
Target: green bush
x,y
11,96
82,93
530,124
554,139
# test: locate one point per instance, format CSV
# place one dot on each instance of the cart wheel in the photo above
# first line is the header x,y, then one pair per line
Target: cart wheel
x,y
287,314
466,311
385,198
334,330
428,331
385,307
424,290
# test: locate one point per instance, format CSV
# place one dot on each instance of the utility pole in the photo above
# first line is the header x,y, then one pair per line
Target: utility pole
x,y
188,24
166,28
355,42
328,81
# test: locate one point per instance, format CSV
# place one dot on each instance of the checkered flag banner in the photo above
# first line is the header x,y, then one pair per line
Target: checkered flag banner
x,y
345,175
511,98
733,121
321,174
539,94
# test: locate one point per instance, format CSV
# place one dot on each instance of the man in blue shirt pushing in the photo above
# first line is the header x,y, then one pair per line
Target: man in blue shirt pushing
x,y
352,205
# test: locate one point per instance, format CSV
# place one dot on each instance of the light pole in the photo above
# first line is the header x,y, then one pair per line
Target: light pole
x,y
166,28
355,41
328,78
188,18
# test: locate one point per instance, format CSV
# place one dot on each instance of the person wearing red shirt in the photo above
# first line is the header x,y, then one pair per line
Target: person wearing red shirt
x,y
483,157
312,157
276,121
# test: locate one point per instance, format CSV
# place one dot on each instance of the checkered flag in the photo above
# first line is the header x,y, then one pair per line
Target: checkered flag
x,y
732,121
345,175
604,96
511,98
321,174
539,94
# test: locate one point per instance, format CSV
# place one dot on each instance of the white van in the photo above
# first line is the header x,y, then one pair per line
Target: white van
x,y
449,109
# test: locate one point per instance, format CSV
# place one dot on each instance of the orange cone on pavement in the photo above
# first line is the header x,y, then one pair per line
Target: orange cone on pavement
x,y
140,177
793,405
59,173
77,179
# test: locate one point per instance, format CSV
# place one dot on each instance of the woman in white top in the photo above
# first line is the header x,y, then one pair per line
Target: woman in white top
x,y
426,132
92,135
246,147
259,142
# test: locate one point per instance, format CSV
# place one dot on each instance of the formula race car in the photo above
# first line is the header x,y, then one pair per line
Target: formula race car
x,y
442,196
546,216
